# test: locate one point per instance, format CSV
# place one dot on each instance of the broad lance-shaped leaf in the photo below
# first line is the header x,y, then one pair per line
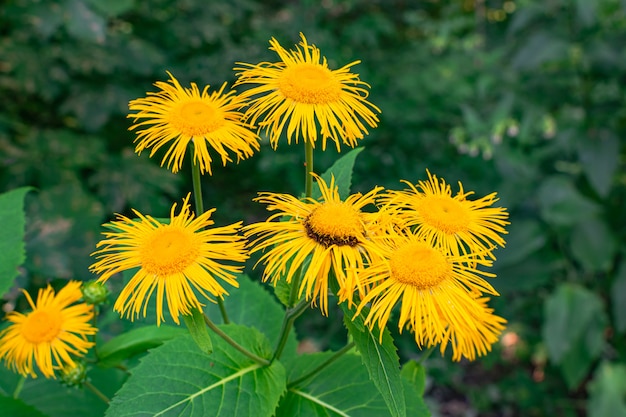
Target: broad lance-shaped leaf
x,y
414,380
342,171
380,359
178,379
12,253
343,388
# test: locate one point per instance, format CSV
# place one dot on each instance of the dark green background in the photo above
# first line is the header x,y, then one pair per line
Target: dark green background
x,y
526,98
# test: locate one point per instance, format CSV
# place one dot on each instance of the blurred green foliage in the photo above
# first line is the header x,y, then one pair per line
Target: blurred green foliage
x,y
523,97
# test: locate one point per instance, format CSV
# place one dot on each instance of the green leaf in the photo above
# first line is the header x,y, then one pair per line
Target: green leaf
x,y
561,204
342,171
414,380
135,341
52,398
112,7
12,253
593,245
178,379
600,159
341,389
573,330
618,298
380,359
16,407
252,305
82,23
607,391
198,330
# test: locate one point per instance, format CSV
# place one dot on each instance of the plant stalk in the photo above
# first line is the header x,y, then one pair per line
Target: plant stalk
x,y
197,194
234,344
290,317
96,391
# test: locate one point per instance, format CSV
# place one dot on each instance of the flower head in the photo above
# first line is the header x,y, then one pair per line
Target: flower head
x,y
438,293
459,225
50,335
332,232
178,116
178,259
302,94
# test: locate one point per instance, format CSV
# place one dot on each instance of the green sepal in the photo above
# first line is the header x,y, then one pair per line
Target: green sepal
x,y
197,329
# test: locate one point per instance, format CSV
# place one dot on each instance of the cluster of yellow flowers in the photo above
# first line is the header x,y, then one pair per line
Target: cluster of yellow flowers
x,y
420,248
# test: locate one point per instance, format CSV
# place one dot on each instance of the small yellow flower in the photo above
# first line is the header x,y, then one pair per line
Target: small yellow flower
x,y
459,225
300,93
53,332
177,259
178,116
332,232
438,293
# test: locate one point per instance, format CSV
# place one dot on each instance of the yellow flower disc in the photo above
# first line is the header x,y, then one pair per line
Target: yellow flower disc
x,y
42,326
196,118
169,251
334,224
419,265
310,84
445,214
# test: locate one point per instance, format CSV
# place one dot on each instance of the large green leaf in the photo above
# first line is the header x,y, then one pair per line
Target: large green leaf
x,y
593,245
562,204
178,379
600,159
341,389
135,341
342,171
12,253
252,305
380,359
16,407
414,380
607,391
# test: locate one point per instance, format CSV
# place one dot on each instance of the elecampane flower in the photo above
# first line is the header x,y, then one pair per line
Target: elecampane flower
x,y
176,116
301,94
51,336
460,225
332,232
176,259
437,292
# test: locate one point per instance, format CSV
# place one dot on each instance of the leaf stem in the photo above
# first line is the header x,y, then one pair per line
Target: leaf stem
x,y
197,194
308,168
18,387
425,355
290,317
234,344
96,391
323,365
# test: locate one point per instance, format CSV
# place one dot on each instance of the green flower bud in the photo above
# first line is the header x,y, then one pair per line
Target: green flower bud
x,y
94,292
74,376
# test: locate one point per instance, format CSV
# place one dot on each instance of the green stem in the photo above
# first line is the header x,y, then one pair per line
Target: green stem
x,y
96,391
197,194
233,343
290,317
425,355
18,387
323,365
308,169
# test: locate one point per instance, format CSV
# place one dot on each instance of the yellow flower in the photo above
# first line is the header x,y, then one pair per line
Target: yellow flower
x,y
438,293
178,116
459,225
178,259
302,94
332,232
53,332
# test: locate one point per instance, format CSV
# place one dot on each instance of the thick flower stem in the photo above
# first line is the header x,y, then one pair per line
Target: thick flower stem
x,y
18,387
290,317
234,344
197,194
425,355
308,168
323,365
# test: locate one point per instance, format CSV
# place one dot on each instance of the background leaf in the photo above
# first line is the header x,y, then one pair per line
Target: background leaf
x,y
12,253
17,408
342,170
607,391
178,379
